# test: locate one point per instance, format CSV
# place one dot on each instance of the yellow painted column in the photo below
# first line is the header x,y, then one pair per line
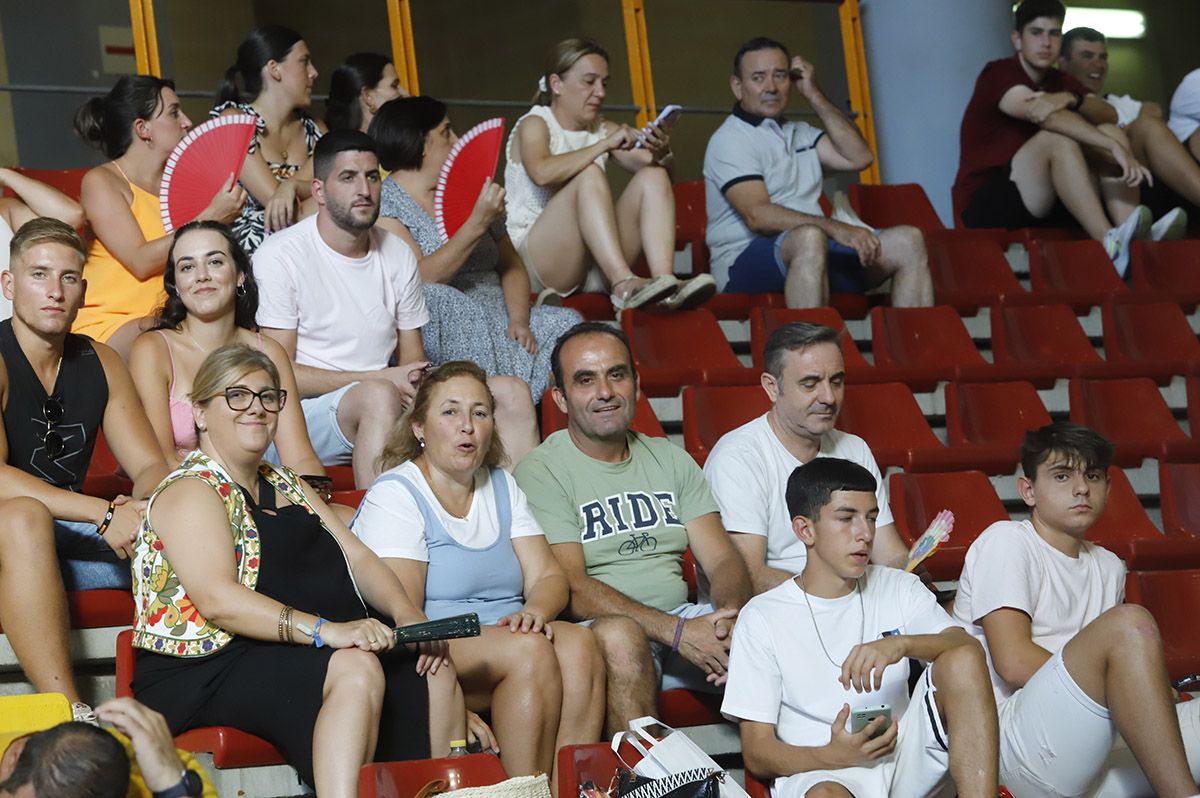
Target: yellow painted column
x,y
404,54
633,13
859,84
145,37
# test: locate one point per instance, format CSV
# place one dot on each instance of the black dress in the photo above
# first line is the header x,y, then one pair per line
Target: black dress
x,y
273,690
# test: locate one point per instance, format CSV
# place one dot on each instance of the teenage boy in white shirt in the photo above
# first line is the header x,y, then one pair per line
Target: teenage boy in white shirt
x,y
844,625
1071,665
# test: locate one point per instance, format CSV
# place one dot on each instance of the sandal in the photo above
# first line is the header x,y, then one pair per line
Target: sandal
x,y
690,293
649,291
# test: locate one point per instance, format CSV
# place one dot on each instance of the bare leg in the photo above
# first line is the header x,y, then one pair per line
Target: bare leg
x,y
1117,660
805,252
632,685
447,710
366,415
1119,199
347,726
1156,146
903,258
968,708
516,419
828,789
29,577
1193,145
1050,166
582,668
646,220
122,340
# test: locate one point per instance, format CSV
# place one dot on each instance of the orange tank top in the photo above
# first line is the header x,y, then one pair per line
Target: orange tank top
x,y
114,294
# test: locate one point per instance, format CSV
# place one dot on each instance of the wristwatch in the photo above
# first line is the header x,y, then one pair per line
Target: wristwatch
x,y
190,785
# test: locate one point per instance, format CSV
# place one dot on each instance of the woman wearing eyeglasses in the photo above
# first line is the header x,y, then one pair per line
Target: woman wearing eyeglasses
x,y
253,601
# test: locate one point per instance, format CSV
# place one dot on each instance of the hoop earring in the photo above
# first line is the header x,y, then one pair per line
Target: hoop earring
x,y
241,290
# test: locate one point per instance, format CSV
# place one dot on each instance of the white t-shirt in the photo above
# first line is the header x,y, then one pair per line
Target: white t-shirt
x,y
748,471
1185,107
1010,565
345,311
6,235
391,524
779,673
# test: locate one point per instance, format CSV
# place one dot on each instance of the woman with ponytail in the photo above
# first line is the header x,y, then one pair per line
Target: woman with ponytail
x,y
360,86
136,125
272,80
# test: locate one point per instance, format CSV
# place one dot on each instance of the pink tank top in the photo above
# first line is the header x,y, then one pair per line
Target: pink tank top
x,y
183,424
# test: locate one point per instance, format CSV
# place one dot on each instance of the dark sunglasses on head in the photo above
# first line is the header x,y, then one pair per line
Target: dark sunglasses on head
x,y
271,399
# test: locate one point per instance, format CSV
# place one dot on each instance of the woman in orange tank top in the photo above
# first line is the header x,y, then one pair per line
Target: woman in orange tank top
x,y
137,125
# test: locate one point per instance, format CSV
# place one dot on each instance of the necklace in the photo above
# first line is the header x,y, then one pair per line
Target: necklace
x,y
862,629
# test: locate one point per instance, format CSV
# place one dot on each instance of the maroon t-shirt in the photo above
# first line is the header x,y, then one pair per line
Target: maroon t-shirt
x,y
989,138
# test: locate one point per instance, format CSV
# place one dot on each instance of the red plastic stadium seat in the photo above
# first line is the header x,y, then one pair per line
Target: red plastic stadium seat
x,y
972,273
1154,335
104,478
764,321
1172,598
756,788
644,420
1046,343
592,306
991,419
680,708
96,609
1126,530
1179,490
893,205
68,181
1134,416
1193,404
350,498
681,349
342,476
710,412
691,222
1169,267
1078,273
405,779
890,420
229,747
917,498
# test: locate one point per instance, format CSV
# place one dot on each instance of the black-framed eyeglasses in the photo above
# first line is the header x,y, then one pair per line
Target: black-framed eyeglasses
x,y
271,399
52,439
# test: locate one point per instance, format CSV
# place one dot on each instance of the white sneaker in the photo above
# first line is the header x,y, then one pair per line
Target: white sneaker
x,y
82,713
1171,226
1118,239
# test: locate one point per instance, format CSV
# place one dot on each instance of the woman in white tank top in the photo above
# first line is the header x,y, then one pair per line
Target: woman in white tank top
x,y
561,214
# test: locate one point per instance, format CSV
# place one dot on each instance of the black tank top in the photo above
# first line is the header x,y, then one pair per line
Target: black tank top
x,y
82,390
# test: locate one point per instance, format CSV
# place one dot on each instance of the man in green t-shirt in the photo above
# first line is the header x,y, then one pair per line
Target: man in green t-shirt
x,y
620,509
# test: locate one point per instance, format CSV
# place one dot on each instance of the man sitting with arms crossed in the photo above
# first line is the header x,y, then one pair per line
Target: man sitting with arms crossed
x,y
804,376
58,390
1031,153
620,509
1071,665
843,625
762,181
342,298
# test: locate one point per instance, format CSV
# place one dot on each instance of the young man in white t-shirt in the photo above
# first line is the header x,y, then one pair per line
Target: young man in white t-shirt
x,y
1071,665
835,640
749,467
343,298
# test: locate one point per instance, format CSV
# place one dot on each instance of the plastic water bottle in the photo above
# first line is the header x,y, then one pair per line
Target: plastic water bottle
x,y
458,748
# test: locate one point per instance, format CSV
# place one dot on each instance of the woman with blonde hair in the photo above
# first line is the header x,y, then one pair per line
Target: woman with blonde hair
x,y
561,214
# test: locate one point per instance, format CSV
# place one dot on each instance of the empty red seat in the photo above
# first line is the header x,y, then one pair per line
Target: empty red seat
x,y
1172,598
1169,267
678,349
1155,336
229,747
889,419
97,609
681,708
342,476
1125,529
1044,343
1134,416
644,419
710,411
927,346
991,419
592,306
894,204
971,273
764,321
405,779
917,498
1193,404
691,222
1078,273
1179,491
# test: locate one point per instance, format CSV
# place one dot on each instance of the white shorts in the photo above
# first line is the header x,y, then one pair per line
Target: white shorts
x,y
920,765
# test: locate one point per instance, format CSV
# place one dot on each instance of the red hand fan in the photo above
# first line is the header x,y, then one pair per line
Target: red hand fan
x,y
199,166
471,161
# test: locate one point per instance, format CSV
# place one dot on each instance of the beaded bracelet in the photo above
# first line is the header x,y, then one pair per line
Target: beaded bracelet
x,y
108,517
282,616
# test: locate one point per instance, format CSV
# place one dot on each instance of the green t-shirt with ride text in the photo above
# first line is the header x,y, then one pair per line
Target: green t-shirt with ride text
x,y
629,516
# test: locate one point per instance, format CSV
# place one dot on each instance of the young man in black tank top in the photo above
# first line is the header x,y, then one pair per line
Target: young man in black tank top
x,y
56,391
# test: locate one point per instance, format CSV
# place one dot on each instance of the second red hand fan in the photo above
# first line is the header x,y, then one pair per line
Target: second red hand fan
x,y
199,166
471,161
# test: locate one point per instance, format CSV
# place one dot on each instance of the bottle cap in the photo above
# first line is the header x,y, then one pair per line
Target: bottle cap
x,y
458,743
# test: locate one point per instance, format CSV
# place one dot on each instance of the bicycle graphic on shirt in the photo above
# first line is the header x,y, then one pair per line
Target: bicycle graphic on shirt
x,y
637,543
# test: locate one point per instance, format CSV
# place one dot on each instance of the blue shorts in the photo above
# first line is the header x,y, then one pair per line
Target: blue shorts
x,y
85,560
328,441
760,269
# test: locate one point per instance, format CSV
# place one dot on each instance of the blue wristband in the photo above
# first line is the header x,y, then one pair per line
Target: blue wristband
x,y
316,636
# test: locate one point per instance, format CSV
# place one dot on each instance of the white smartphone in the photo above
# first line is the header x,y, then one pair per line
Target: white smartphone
x,y
666,120
859,718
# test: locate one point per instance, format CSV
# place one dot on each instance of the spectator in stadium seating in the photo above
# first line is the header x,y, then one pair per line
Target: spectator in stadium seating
x,y
343,299
137,125
766,229
1035,143
1147,136
1074,669
212,299
360,86
252,603
476,287
458,532
277,77
31,199
620,509
804,645
1185,112
804,377
58,390
561,214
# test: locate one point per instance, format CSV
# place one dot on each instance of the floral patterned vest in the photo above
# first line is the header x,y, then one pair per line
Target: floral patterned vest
x,y
166,620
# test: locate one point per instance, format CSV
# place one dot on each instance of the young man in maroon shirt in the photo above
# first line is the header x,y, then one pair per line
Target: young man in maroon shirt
x,y
1034,151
